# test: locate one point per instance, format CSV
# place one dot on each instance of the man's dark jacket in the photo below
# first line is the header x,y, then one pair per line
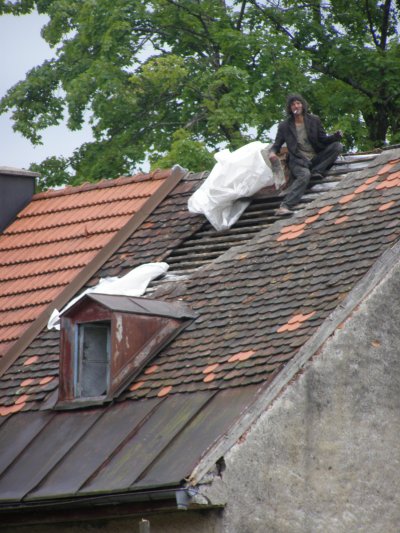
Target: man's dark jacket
x,y
315,132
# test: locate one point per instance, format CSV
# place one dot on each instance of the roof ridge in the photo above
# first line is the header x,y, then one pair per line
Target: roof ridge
x,y
157,174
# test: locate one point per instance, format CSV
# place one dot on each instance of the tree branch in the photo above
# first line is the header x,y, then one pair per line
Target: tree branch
x,y
317,65
371,25
385,24
241,15
324,69
205,28
273,19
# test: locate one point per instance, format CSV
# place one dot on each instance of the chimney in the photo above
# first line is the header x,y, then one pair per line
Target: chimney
x,y
17,186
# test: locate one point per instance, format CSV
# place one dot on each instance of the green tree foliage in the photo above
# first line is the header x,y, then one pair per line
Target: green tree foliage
x,y
353,49
53,172
174,80
191,154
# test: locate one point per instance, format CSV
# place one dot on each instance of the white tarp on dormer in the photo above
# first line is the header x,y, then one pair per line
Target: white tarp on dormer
x,y
134,283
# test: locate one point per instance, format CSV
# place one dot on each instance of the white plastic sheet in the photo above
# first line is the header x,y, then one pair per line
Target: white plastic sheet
x,y
236,176
132,284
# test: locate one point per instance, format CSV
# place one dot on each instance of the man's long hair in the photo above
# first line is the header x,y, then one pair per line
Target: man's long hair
x,y
291,98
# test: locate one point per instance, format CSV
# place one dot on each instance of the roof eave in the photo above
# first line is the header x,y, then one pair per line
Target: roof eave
x,y
138,503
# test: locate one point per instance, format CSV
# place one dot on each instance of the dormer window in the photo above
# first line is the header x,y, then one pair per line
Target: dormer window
x,y
106,340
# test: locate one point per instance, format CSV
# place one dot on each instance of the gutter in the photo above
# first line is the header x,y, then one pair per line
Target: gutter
x,y
99,507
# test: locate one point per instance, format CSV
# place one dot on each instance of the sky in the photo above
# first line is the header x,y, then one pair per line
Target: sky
x,y
23,48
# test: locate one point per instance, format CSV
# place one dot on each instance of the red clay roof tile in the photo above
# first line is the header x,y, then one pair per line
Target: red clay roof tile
x,y
55,237
151,369
31,360
27,382
361,188
312,219
372,179
210,368
46,380
4,411
136,385
164,391
241,356
290,235
340,220
388,205
347,198
293,228
387,167
325,209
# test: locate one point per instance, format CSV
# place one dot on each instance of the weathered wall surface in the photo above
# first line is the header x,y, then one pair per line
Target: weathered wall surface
x,y
325,457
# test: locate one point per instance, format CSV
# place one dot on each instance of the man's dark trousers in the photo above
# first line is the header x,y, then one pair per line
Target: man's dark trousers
x,y
301,171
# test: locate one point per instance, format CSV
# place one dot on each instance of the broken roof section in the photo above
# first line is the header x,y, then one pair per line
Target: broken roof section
x,y
205,244
59,240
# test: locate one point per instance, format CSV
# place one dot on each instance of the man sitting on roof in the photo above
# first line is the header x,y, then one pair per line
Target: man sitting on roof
x,y
311,150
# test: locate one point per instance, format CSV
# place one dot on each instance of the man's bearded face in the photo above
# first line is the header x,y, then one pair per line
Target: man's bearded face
x,y
296,107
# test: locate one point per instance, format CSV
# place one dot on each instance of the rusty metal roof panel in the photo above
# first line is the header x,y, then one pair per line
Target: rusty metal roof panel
x,y
130,446
140,451
94,449
44,451
17,433
211,422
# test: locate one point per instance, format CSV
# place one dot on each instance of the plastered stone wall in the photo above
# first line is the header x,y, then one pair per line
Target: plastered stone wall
x,y
325,457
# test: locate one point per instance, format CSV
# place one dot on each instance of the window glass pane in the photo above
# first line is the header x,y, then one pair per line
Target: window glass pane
x,y
93,360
